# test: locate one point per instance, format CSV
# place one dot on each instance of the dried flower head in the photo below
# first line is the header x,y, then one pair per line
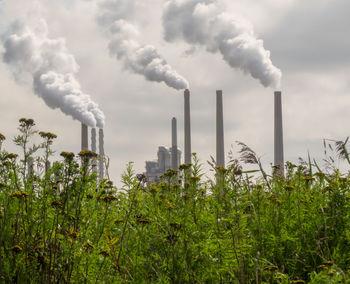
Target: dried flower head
x,y
11,156
248,156
20,193
47,135
87,154
184,167
68,156
2,137
24,122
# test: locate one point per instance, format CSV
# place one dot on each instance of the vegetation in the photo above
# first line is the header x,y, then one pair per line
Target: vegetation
x,y
60,224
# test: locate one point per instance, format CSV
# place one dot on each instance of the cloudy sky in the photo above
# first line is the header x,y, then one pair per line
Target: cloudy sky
x,y
309,42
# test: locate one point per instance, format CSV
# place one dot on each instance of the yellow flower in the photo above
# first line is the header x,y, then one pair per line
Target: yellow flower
x,y
16,249
20,194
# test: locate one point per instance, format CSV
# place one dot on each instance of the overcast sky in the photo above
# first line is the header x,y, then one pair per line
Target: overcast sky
x,y
308,40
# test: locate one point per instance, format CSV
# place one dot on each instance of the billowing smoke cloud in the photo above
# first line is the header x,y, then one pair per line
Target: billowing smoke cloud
x,y
200,22
114,16
29,50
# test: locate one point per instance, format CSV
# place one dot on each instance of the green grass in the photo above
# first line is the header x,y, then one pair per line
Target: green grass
x,y
65,226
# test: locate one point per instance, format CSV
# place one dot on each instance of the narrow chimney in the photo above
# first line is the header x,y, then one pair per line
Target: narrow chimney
x,y
93,140
174,158
101,154
187,128
220,150
93,147
84,137
279,156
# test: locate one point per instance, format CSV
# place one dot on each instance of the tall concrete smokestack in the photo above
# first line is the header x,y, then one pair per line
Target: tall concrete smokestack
x,y
93,147
174,158
279,156
220,150
102,154
187,128
84,137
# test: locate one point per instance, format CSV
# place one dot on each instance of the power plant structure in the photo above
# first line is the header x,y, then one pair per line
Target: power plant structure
x,y
187,127
167,158
278,136
85,146
220,145
170,158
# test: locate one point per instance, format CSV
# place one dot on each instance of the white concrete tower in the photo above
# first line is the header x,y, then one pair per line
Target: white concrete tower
x,y
278,143
174,156
187,128
84,137
220,148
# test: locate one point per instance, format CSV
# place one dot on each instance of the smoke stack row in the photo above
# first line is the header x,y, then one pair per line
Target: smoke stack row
x,y
85,146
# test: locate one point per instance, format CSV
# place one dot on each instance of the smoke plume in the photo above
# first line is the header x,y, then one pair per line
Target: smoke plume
x,y
114,16
29,50
200,22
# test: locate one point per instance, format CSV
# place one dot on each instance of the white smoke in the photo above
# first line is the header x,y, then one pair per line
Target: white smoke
x,y
201,22
113,15
29,50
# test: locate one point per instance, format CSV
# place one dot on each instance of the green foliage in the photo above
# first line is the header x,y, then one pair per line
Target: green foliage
x,y
63,225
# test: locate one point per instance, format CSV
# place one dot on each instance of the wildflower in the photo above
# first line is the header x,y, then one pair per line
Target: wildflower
x,y
26,122
308,178
109,198
105,252
88,245
11,156
153,189
169,205
195,179
289,187
271,267
144,220
47,135
20,193
68,156
221,170
185,196
322,266
290,165
279,201
328,262
16,249
184,167
57,203
2,137
87,154
170,173
328,188
73,234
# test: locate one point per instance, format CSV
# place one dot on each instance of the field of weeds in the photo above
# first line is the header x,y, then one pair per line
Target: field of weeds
x,y
60,224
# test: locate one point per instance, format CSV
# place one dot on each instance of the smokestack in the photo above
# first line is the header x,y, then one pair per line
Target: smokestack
x,y
220,150
84,137
279,156
174,158
187,127
93,147
102,154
